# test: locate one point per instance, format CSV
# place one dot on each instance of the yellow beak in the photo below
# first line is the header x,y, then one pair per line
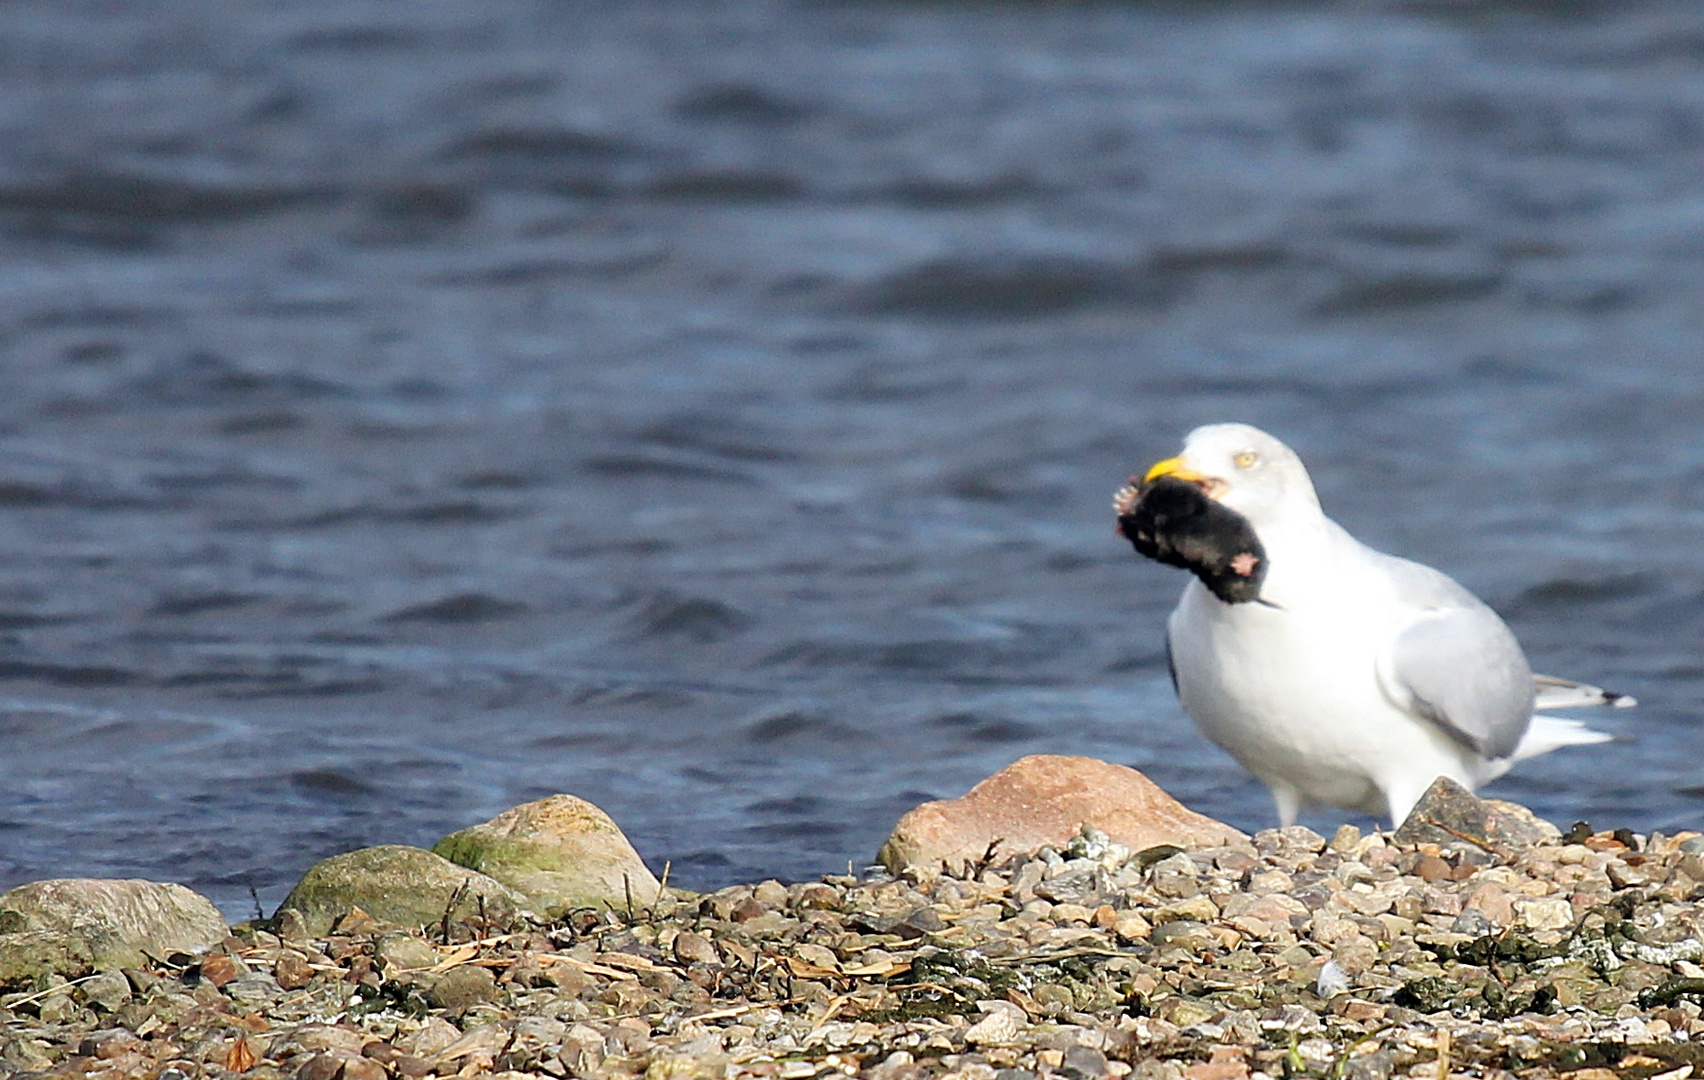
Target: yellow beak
x,y
1172,467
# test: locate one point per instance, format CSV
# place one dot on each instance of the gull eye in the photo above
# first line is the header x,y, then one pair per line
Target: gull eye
x,y
1246,460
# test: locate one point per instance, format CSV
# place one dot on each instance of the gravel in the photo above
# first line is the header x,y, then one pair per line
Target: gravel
x,y
1353,958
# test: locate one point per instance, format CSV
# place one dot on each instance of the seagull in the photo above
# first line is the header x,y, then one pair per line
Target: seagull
x,y
1353,678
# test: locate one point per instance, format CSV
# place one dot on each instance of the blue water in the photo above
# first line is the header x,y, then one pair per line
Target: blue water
x,y
714,410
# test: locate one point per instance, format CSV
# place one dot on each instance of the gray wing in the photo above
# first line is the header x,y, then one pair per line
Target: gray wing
x,y
1457,665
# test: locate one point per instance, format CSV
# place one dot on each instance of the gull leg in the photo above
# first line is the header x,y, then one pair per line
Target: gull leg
x,y
1289,803
1400,800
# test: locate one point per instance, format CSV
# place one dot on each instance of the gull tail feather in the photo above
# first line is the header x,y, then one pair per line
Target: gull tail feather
x,y
1553,693
1547,733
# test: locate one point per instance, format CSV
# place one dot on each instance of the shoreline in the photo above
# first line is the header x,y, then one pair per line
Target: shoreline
x,y
1288,955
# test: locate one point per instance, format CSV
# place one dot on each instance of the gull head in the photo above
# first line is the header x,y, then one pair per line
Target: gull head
x,y
1244,469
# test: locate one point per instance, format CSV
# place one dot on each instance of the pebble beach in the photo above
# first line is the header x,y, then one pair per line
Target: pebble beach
x,y
1511,950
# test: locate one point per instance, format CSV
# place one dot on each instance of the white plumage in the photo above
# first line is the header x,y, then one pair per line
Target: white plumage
x,y
1356,678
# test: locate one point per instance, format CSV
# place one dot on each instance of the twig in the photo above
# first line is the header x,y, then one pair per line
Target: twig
x,y
737,1010
52,990
987,858
1483,845
455,898
1343,1058
828,1014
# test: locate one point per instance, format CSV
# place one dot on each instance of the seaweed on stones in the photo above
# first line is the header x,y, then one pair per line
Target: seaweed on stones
x,y
1174,522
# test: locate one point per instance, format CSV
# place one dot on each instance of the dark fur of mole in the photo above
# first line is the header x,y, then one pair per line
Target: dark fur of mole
x,y
1174,522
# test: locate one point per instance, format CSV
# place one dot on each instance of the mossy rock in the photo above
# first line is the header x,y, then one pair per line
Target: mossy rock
x,y
561,853
28,956
394,883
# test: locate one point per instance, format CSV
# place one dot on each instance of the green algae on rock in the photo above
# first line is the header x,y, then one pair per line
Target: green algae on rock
x,y
32,954
560,853
394,883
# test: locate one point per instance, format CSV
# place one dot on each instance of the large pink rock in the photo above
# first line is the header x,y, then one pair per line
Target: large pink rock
x,y
1045,800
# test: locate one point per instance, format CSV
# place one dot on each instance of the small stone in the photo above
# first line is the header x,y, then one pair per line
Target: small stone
x,y
26,1054
461,988
57,1008
748,909
1355,954
1430,868
1544,914
1043,801
292,971
320,1067
253,991
1074,913
1183,1012
771,894
1003,1025
1268,882
816,896
109,990
220,969
1473,922
1346,840
1225,1063
1181,932
1623,876
327,1037
1494,902
1084,1062
362,1069
691,948
1363,1012
398,954
1289,841
433,1038
818,955
1131,926
1196,908
1377,1065
399,1062
109,1044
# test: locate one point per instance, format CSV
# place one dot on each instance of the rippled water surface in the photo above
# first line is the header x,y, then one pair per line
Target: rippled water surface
x,y
712,410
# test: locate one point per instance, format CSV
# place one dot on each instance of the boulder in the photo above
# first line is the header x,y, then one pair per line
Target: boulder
x,y
1449,813
393,883
70,926
560,853
28,956
1045,800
